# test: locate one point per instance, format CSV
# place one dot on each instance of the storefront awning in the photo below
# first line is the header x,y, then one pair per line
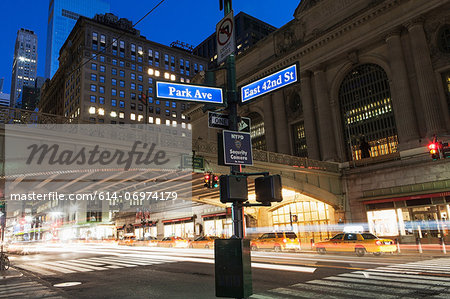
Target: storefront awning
x,y
409,197
178,220
214,215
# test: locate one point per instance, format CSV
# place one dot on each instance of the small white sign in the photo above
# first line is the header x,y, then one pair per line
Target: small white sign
x,y
226,43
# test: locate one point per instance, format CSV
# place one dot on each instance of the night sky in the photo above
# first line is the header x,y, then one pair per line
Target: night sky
x,y
184,20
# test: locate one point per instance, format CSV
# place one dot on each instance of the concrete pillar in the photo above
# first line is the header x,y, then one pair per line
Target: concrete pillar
x,y
269,128
281,123
425,79
402,99
326,130
312,141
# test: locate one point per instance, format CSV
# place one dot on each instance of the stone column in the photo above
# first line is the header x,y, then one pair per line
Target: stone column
x,y
425,78
312,141
268,124
402,99
281,123
326,131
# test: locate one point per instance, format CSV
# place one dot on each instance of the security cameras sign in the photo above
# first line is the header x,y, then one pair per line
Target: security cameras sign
x,y
226,43
189,92
237,148
270,83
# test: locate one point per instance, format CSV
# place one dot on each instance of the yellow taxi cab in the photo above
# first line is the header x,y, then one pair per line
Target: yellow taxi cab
x,y
278,241
128,240
359,243
173,242
203,242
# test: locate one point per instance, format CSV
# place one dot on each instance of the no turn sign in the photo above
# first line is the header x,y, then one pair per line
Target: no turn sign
x,y
226,43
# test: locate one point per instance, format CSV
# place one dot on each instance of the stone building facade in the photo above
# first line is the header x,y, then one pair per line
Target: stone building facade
x,y
375,71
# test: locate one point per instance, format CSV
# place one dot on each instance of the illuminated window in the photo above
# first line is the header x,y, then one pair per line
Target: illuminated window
x,y
299,140
446,79
101,111
133,116
121,115
150,119
309,213
167,122
92,110
113,114
257,131
367,113
158,121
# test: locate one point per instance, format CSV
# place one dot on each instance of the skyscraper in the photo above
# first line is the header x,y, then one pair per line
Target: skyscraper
x,y
62,16
24,64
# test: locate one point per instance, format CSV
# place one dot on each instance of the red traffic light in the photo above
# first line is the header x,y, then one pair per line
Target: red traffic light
x,y
432,146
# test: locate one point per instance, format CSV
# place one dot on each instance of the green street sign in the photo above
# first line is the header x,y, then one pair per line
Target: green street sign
x,y
195,163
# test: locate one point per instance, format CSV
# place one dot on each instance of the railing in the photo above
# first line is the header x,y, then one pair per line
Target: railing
x,y
200,146
10,115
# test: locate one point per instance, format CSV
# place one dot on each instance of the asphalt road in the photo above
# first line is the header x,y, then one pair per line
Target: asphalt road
x,y
111,271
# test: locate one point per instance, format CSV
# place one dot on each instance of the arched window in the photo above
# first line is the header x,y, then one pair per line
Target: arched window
x,y
367,113
444,38
257,131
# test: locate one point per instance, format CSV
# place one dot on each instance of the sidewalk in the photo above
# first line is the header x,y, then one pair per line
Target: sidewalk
x,y
10,273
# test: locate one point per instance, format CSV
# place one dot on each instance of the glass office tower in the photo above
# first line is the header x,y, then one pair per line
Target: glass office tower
x,y
62,16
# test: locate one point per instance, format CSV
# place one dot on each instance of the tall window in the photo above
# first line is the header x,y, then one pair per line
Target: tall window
x,y
299,140
446,78
367,113
257,131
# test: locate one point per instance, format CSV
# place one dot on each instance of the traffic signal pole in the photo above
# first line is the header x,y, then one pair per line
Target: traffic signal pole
x,y
232,107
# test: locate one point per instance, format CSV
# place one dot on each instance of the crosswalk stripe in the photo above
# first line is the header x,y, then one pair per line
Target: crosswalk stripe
x,y
372,272
71,267
302,293
88,262
357,284
411,270
401,279
52,267
370,282
114,267
76,265
36,269
113,263
132,262
350,293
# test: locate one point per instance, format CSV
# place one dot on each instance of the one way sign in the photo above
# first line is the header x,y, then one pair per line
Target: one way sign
x,y
221,121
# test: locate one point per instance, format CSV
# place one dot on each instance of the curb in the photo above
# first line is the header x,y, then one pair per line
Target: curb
x,y
10,273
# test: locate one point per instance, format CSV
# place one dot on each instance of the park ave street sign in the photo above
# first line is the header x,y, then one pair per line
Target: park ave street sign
x,y
188,92
270,83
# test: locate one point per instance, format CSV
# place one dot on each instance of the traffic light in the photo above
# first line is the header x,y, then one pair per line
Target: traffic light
x,y
268,189
215,181
434,150
207,179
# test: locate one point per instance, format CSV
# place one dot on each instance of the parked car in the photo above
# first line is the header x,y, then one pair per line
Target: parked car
x,y
173,242
360,243
128,240
203,242
278,241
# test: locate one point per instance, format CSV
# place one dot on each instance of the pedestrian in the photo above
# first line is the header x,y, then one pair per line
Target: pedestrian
x,y
364,146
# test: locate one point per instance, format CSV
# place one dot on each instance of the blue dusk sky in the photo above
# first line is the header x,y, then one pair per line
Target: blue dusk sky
x,y
184,20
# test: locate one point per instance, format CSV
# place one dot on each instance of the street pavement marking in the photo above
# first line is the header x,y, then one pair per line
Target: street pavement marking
x,y
77,265
26,289
51,266
110,262
36,269
396,281
114,267
71,267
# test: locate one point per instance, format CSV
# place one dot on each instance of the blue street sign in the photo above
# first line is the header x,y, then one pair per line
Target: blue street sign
x,y
270,83
188,92
237,148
